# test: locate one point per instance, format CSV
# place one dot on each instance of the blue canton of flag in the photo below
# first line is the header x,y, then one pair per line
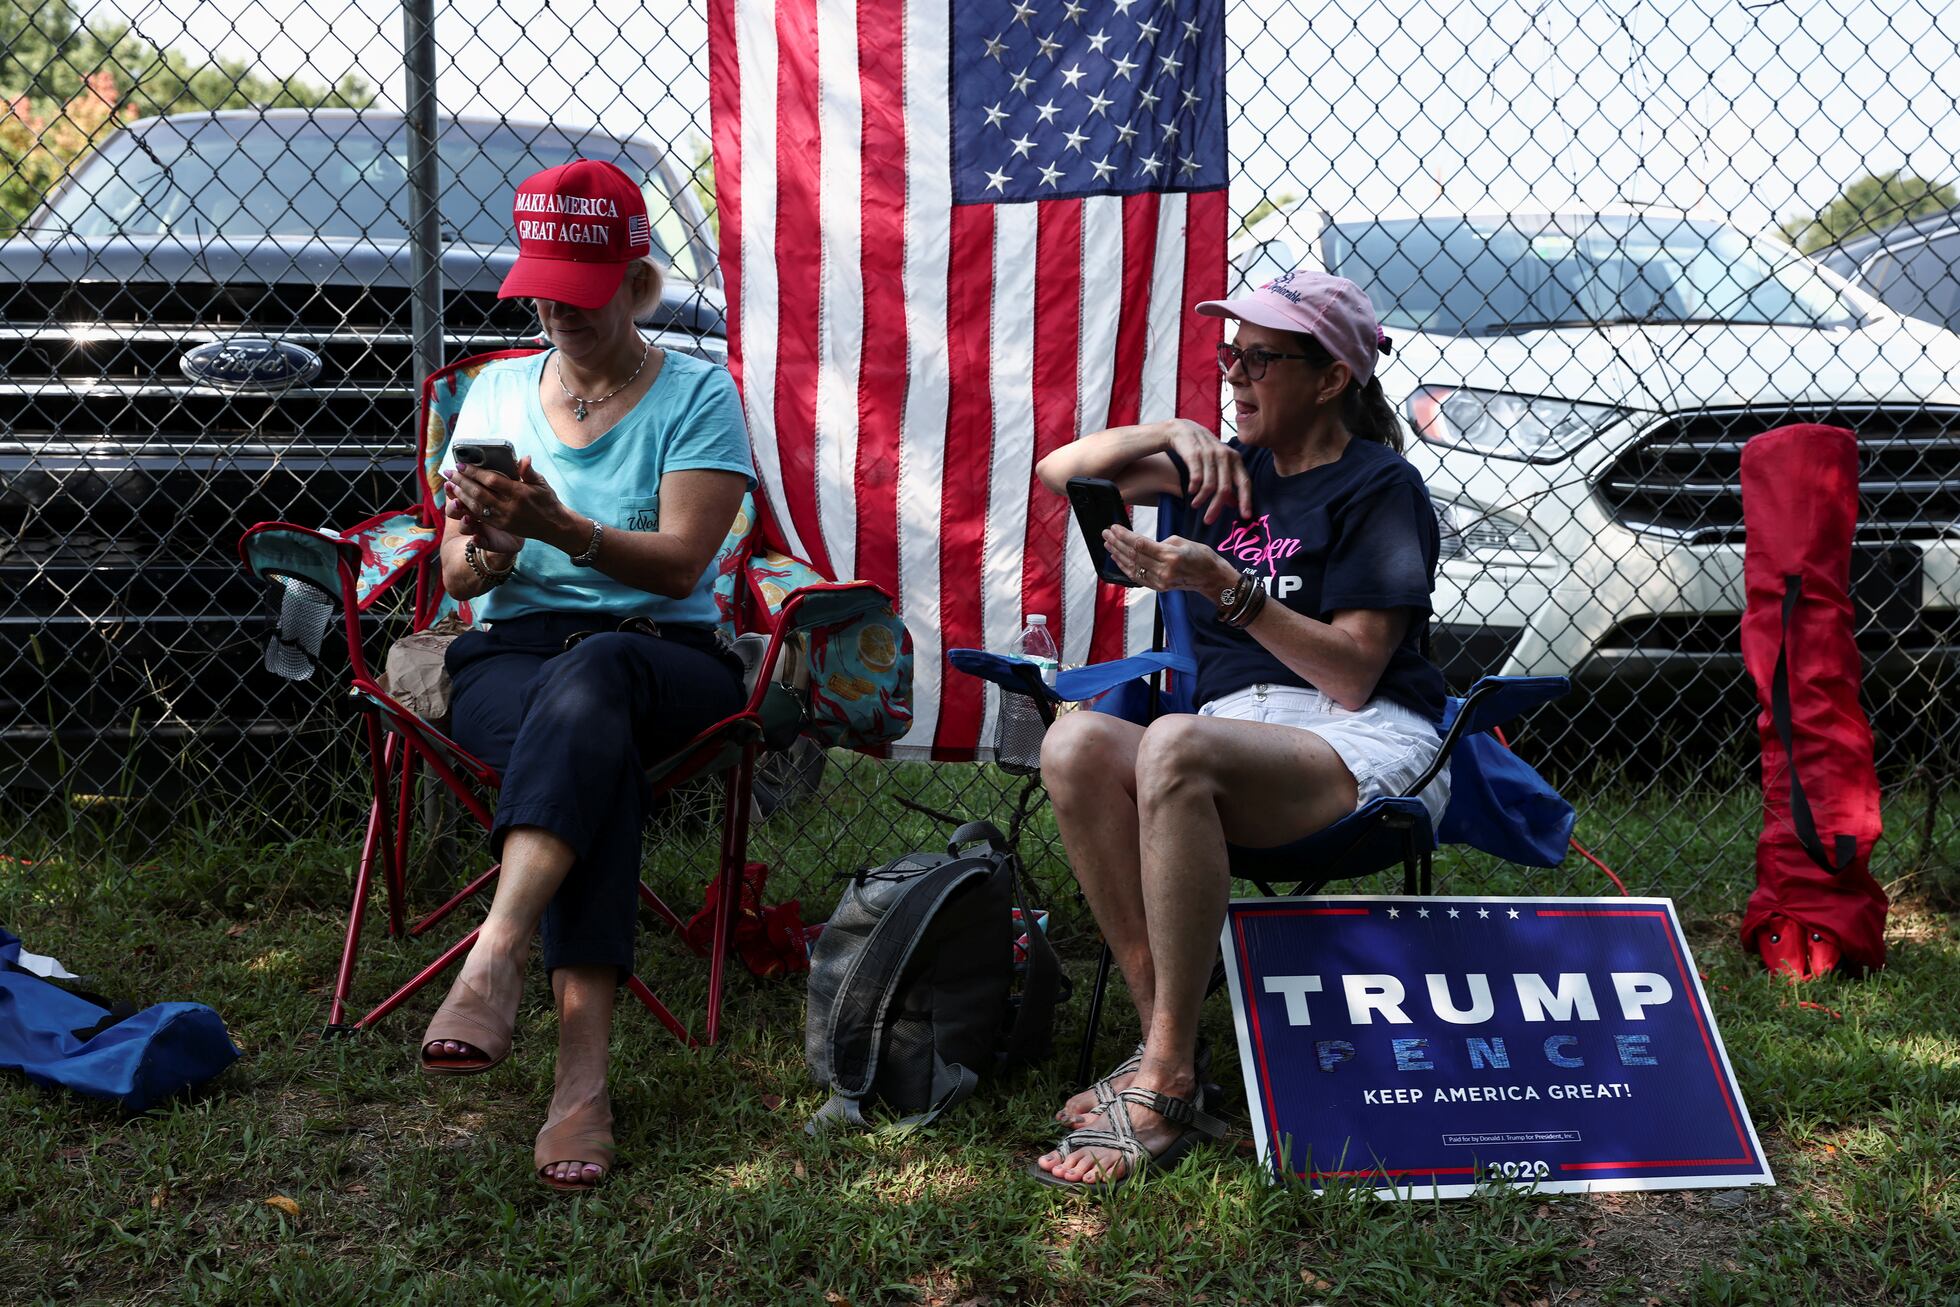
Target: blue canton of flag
x,y
1055,98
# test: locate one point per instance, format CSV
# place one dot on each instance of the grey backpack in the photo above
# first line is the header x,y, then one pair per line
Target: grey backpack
x,y
911,983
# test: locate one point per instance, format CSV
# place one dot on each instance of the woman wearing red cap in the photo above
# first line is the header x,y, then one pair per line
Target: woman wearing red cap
x,y
1311,551
596,645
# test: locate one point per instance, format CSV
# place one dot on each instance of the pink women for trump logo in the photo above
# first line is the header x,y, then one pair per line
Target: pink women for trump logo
x,y
1253,543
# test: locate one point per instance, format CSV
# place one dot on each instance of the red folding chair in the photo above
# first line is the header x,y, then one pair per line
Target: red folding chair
x,y
770,604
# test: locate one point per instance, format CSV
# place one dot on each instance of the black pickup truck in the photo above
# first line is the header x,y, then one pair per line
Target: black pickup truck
x,y
127,628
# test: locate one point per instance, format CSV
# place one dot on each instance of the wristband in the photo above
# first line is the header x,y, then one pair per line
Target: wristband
x,y
1237,600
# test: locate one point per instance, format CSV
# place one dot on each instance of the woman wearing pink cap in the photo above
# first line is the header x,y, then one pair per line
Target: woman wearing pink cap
x,y
596,647
1310,554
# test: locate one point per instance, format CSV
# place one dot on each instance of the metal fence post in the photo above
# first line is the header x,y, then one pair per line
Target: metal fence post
x,y
425,224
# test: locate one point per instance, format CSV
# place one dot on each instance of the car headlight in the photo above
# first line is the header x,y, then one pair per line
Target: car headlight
x,y
1469,528
1500,425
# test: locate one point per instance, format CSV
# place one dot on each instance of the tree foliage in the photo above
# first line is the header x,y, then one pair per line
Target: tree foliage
x,y
65,85
1872,203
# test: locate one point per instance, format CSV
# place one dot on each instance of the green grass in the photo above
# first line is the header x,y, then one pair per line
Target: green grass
x,y
418,1192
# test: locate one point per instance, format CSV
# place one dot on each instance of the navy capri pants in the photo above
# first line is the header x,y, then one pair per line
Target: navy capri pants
x,y
572,731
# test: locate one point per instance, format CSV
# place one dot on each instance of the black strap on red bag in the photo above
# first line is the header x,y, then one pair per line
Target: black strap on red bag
x,y
1846,846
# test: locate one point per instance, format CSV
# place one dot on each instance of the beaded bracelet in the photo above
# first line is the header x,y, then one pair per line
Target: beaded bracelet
x,y
474,557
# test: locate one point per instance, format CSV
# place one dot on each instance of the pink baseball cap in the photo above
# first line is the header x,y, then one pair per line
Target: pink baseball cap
x,y
1333,310
578,227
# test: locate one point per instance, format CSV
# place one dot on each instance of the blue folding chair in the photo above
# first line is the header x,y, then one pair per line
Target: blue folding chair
x,y
1498,804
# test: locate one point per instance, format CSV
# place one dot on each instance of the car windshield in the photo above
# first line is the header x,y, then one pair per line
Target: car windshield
x,y
1489,276
327,177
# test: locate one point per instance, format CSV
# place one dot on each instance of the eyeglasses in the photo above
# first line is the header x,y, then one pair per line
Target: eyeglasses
x,y
1253,360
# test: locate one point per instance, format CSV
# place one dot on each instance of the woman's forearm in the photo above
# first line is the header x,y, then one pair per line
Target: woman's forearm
x,y
1343,659
1103,454
656,562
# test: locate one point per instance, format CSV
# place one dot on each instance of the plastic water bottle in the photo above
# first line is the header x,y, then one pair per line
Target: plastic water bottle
x,y
1038,646
1019,728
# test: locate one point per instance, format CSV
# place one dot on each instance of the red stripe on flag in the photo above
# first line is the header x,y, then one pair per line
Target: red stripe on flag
x,y
1057,328
963,492
725,94
799,269
1126,394
882,363
1199,395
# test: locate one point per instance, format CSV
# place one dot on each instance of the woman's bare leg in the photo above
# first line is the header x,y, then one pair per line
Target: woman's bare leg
x,y
585,1010
1088,764
535,863
1200,781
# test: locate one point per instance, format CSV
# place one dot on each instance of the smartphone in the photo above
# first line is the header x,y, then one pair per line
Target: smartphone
x,y
490,455
1098,505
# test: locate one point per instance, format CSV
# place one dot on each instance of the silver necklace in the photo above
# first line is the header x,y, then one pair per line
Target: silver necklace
x,y
580,401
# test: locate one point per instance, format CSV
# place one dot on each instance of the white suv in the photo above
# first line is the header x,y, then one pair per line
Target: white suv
x,y
1582,384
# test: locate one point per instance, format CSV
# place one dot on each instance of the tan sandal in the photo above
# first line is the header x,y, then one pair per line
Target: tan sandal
x,y
466,1017
583,1136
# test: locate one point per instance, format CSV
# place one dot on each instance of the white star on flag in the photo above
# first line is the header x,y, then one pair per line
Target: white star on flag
x,y
995,116
1074,138
1073,75
997,180
1050,175
1104,169
1048,110
1514,914
1098,41
1124,67
1147,30
1021,146
1483,912
1097,104
1422,912
1452,912
1047,45
1393,913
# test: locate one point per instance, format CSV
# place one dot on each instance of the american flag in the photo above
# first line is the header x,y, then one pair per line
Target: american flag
x,y
955,237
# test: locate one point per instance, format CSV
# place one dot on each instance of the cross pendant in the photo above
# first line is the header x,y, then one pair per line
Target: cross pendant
x,y
579,412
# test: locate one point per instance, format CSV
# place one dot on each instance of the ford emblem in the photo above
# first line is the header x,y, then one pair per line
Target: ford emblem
x,y
250,363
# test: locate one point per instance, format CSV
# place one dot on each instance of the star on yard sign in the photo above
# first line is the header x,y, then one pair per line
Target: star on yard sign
x,y
1514,914
1393,913
1483,912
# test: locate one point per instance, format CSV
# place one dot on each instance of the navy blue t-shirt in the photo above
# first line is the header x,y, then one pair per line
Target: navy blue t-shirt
x,y
1358,532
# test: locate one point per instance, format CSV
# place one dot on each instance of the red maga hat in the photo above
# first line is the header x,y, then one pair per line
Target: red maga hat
x,y
578,226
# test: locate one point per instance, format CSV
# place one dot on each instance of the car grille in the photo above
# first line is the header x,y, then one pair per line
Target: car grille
x,y
1684,477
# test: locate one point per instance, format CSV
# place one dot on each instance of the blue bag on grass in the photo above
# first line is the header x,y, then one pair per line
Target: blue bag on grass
x,y
58,1038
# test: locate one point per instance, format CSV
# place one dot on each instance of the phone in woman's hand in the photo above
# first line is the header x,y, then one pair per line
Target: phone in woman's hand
x,y
1098,505
498,456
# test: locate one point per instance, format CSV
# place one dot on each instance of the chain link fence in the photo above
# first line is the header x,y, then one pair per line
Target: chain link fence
x,y
1573,215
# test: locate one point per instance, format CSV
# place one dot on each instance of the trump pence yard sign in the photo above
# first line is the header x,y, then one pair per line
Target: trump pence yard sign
x,y
1430,1045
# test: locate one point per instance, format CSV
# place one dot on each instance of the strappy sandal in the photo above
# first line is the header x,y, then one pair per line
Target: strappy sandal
x,y
1121,1136
583,1136
466,1017
1105,1088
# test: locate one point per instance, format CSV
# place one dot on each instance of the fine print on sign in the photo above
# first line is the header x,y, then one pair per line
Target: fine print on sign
x,y
1428,1046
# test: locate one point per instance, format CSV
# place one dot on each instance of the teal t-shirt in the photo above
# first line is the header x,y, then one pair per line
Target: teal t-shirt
x,y
690,418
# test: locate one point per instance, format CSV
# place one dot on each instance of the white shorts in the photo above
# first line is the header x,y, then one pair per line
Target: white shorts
x,y
1386,746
